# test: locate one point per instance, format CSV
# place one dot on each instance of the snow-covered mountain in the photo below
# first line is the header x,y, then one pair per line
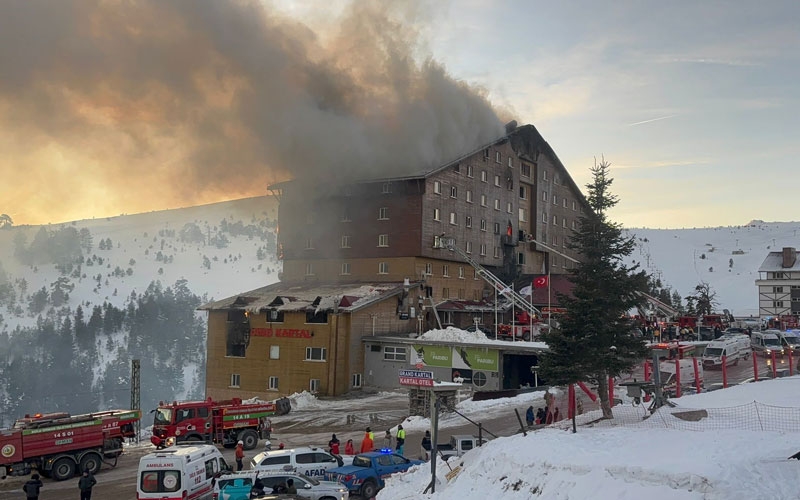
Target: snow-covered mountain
x,y
727,258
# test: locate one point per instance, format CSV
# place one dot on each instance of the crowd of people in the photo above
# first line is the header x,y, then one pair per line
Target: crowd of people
x,y
86,482
541,416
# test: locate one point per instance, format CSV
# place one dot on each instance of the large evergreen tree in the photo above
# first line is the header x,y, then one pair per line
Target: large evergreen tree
x,y
594,340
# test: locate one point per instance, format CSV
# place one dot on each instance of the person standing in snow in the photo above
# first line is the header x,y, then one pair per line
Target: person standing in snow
x,y
401,439
85,484
367,443
529,416
349,448
333,444
32,487
387,439
426,445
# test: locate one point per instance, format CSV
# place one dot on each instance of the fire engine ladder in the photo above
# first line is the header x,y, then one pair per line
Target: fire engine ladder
x,y
659,306
517,299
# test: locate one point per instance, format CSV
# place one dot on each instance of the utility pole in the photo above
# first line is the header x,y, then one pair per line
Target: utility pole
x,y
136,393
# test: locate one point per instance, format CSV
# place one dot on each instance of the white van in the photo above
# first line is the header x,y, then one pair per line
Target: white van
x,y
765,343
733,346
179,472
311,461
790,340
669,380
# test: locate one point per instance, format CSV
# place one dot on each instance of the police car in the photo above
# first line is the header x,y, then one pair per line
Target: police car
x,y
311,461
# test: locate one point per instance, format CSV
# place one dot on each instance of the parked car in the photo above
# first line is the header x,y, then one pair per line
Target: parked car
x,y
458,445
311,461
237,485
367,473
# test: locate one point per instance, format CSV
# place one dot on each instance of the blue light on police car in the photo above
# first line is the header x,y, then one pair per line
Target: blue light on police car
x,y
387,450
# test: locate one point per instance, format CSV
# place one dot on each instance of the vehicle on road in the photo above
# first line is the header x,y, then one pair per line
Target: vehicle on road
x,y
732,346
368,471
766,342
790,340
59,444
186,471
238,485
223,422
311,461
458,445
669,375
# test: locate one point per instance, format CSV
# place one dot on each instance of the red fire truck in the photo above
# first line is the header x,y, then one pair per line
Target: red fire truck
x,y
223,422
59,444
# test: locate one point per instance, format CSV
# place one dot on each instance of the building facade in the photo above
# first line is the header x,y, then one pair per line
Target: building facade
x,y
499,203
779,288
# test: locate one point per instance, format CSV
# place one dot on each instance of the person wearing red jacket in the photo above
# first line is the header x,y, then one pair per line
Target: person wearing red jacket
x,y
239,455
349,449
333,444
366,443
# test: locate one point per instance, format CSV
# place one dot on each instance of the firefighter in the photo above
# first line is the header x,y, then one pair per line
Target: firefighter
x,y
239,455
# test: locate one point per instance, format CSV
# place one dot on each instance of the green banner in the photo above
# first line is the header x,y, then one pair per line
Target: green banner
x,y
431,355
481,359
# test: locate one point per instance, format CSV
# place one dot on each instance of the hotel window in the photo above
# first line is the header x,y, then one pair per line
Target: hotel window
x,y
555,220
446,271
525,170
483,200
497,180
523,193
391,353
428,268
555,200
573,224
383,240
496,204
777,289
316,354
453,192
468,221
273,383
469,196
383,213
556,179
457,168
309,269
544,218
476,276
436,215
564,202
573,206
544,195
313,385
555,261
469,247
510,184
386,188
483,224
345,269
274,352
777,303
484,176
461,272
483,249
554,241
509,208
383,268
445,293
453,218
437,187
469,170
496,252
521,259
510,162
486,154
496,228
309,244
544,174
523,215
564,222
497,157
346,215
356,380
236,379
345,241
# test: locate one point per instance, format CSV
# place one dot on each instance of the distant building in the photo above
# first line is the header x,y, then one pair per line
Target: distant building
x,y
501,203
779,289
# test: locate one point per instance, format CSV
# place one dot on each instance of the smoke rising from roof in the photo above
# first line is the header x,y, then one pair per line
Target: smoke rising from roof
x,y
116,106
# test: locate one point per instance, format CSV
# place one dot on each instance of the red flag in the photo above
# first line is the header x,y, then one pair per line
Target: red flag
x,y
540,282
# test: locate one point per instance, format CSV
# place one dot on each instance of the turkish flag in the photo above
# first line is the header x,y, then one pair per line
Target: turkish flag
x,y
540,282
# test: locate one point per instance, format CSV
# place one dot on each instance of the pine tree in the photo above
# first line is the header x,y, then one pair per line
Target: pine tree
x,y
595,339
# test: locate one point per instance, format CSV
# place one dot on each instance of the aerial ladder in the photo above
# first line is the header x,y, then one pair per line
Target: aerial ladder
x,y
517,300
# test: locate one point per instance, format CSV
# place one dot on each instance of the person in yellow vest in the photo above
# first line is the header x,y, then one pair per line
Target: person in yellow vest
x,y
400,438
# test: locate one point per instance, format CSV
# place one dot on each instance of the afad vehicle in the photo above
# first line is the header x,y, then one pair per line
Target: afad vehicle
x,y
223,422
59,444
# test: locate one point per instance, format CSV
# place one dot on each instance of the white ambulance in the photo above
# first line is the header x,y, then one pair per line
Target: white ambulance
x,y
184,472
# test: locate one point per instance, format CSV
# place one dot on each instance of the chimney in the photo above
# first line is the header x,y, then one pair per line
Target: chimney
x,y
511,126
789,257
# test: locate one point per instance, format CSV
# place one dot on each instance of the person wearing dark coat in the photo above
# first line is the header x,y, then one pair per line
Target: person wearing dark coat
x,y
529,416
540,416
32,487
85,484
333,444
426,445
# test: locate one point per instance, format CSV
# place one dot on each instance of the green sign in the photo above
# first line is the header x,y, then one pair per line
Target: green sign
x,y
481,359
434,355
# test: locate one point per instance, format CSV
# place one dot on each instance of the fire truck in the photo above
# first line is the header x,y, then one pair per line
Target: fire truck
x,y
223,422
59,444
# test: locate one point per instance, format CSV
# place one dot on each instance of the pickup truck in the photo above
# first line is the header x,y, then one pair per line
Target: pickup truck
x,y
458,445
367,473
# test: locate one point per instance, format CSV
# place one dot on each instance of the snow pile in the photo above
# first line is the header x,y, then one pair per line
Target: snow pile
x,y
303,401
628,462
452,334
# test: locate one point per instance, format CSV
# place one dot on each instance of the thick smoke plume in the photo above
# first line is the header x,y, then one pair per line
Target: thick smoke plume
x,y
110,106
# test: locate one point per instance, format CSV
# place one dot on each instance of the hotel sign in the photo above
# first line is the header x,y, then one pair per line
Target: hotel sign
x,y
416,378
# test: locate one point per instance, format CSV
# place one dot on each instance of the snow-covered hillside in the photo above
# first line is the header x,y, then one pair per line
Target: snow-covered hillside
x,y
727,258
151,247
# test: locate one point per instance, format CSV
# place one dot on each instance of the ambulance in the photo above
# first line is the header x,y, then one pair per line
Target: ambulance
x,y
183,472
